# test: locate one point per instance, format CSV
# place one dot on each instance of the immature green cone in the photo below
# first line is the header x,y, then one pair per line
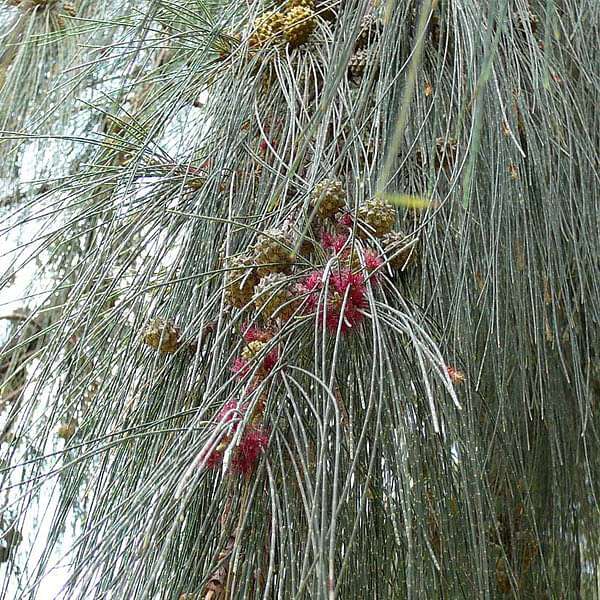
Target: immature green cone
x,y
272,296
370,28
329,197
299,22
272,251
378,215
397,250
162,335
240,281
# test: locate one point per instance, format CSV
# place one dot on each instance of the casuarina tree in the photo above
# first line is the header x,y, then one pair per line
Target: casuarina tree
x,y
304,299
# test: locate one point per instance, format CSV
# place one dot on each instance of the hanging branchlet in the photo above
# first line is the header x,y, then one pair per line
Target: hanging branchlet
x,y
280,168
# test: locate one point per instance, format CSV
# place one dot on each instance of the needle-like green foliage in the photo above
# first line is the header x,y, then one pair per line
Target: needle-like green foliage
x,y
259,395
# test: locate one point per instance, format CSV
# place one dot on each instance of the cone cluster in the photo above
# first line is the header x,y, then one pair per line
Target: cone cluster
x,y
294,24
272,296
378,216
163,336
257,278
364,47
240,281
328,198
399,250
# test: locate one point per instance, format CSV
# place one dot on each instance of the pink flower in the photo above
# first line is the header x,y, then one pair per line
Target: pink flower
x,y
313,281
372,260
252,443
229,410
251,446
340,283
240,367
352,284
255,334
333,242
312,286
344,280
346,220
214,459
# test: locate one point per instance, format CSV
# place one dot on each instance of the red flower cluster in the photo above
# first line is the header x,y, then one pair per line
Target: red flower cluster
x,y
253,333
336,243
346,219
372,260
253,442
333,242
342,283
242,366
248,451
229,411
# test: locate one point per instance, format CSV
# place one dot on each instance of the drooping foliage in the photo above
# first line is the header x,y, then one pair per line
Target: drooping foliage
x,y
315,311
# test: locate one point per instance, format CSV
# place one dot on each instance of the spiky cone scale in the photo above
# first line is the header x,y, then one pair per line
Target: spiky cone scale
x,y
266,27
273,252
69,9
358,63
298,23
272,297
370,30
328,197
397,250
300,3
260,37
252,349
240,281
163,336
379,216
